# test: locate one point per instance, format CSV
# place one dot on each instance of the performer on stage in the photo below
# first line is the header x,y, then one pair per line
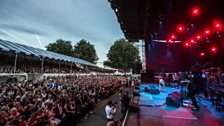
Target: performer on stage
x,y
161,83
195,86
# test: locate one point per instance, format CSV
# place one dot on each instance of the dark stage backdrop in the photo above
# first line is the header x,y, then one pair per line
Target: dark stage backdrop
x,y
174,57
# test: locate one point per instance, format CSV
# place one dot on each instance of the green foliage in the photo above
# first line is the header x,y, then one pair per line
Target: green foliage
x,y
60,46
122,54
85,50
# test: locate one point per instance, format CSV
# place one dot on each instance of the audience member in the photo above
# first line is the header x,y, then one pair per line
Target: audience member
x,y
54,101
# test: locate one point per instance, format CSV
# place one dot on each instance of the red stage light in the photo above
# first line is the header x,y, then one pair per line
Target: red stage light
x,y
187,44
217,25
195,11
207,31
173,36
180,28
213,49
198,37
170,41
202,54
192,40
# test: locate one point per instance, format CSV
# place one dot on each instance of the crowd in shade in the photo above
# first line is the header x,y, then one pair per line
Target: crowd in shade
x,y
10,69
33,67
54,101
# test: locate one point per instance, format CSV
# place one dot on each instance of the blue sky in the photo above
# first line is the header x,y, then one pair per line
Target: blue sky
x,y
27,21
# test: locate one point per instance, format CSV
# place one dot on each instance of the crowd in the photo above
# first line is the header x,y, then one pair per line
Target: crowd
x,y
49,68
28,68
54,101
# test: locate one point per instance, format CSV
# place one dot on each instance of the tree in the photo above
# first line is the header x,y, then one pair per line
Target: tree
x,y
122,55
61,46
86,51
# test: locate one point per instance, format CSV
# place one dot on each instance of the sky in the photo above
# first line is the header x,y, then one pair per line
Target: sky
x,y
39,22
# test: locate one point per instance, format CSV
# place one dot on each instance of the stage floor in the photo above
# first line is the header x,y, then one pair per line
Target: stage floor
x,y
154,112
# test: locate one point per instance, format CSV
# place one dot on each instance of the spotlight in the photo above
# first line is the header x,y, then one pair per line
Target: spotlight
x,y
195,11
207,31
192,40
217,25
198,37
213,49
187,44
180,28
116,10
202,54
173,36
170,41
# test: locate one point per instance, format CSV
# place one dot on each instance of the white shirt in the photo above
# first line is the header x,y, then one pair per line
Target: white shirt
x,y
110,112
161,81
60,87
132,83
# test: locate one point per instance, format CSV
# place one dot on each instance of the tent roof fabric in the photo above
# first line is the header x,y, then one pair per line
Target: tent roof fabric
x,y
8,46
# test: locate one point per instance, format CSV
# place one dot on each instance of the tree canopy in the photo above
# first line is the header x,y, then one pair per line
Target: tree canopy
x,y
61,46
122,55
85,50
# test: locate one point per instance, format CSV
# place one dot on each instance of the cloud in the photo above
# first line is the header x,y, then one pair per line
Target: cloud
x,y
15,37
73,20
24,29
2,33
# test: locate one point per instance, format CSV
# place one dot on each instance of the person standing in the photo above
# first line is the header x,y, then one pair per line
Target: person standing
x,y
205,84
195,86
121,101
96,93
110,111
161,83
125,102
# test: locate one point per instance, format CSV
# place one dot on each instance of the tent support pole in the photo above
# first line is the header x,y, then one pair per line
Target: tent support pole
x,y
42,65
59,68
15,63
71,67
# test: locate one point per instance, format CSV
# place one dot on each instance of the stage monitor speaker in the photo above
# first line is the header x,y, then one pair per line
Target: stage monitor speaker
x,y
152,89
173,99
176,94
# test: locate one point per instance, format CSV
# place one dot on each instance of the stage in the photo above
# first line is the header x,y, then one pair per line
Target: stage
x,y
154,112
